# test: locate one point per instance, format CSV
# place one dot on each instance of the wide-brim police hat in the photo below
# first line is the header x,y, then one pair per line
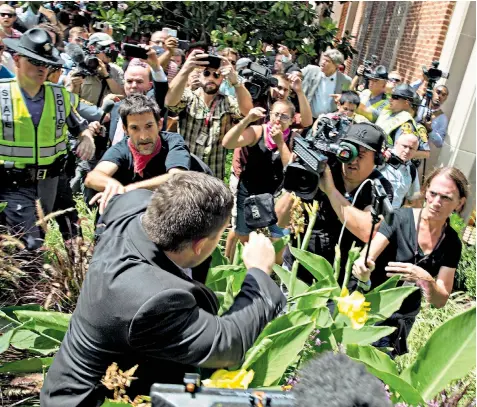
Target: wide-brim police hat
x,y
36,44
405,91
379,73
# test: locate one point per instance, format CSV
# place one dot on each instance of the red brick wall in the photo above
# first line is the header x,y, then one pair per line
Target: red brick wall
x,y
341,24
423,37
424,34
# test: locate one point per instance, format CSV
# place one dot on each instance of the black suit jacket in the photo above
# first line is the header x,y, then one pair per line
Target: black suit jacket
x,y
137,307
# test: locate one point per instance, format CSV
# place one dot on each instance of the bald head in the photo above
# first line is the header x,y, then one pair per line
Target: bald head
x,y
406,146
137,79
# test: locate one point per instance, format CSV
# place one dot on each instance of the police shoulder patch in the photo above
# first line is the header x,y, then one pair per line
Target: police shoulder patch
x,y
407,128
422,133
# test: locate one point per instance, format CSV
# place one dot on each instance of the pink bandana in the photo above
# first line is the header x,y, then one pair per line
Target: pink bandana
x,y
271,145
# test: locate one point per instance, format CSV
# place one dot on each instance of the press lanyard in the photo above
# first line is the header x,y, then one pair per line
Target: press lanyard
x,y
211,111
416,251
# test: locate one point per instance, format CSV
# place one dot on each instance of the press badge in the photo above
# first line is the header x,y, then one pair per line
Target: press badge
x,y
202,139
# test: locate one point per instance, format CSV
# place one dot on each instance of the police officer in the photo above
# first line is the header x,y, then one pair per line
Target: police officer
x,y
34,120
375,98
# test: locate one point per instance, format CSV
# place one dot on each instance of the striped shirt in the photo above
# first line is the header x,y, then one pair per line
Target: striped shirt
x,y
203,128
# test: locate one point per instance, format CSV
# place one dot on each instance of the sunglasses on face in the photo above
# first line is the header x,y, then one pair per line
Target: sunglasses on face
x,y
8,15
207,73
394,80
35,62
281,116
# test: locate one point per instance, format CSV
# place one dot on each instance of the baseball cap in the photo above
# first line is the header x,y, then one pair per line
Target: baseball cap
x,y
367,135
102,39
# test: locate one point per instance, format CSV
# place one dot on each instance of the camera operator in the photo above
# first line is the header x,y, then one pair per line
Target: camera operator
x,y
144,302
421,247
320,83
400,171
169,44
394,79
34,143
338,185
143,158
205,115
106,78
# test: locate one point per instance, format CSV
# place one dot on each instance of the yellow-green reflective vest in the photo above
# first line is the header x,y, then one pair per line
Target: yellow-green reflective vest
x,y
20,143
389,122
365,95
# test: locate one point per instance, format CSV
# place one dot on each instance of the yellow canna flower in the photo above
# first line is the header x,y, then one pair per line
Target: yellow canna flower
x,y
354,307
223,379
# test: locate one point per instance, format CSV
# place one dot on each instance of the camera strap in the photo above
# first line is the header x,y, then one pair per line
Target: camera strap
x,y
210,112
104,84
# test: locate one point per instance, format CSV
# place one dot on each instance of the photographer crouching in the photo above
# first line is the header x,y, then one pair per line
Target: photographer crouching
x,y
339,185
97,76
422,248
144,302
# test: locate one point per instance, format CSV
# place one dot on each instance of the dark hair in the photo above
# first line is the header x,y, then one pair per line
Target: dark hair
x,y
350,96
443,86
187,207
337,381
63,17
138,104
456,175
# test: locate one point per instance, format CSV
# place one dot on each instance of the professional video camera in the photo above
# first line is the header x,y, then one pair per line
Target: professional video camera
x,y
369,65
313,153
193,395
86,60
432,74
258,78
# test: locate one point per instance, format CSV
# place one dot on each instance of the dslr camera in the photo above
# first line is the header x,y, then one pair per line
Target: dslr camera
x,y
313,153
258,78
432,74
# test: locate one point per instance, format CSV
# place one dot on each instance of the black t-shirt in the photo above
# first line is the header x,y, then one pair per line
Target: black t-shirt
x,y
328,226
173,154
402,246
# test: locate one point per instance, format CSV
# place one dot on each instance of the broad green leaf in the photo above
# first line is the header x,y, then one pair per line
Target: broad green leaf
x,y
449,354
323,318
271,365
385,303
255,352
45,319
284,275
372,357
281,243
402,390
318,266
29,365
25,339
3,205
221,272
5,340
388,284
287,321
364,336
238,255
218,259
313,298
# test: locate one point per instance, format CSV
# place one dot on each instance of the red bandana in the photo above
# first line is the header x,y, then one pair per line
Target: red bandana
x,y
141,160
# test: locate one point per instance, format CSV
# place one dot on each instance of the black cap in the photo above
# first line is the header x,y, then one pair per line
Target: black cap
x,y
405,91
36,44
379,73
367,135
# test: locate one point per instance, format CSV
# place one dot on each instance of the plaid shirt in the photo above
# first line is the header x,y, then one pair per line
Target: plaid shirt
x,y
202,136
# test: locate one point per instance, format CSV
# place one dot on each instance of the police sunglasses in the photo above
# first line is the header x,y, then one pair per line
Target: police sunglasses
x,y
35,62
207,73
396,97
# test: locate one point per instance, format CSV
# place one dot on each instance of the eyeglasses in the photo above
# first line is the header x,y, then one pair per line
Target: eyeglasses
x,y
207,73
281,116
35,62
8,15
394,80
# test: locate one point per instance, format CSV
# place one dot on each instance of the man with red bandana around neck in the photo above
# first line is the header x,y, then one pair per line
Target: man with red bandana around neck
x,y
144,159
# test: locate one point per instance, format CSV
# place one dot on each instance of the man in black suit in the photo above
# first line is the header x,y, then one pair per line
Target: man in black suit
x,y
142,303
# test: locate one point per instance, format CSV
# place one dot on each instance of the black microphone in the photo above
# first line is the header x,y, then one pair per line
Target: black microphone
x,y
75,52
107,107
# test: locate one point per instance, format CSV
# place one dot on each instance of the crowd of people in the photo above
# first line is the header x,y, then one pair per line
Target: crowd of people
x,y
146,142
